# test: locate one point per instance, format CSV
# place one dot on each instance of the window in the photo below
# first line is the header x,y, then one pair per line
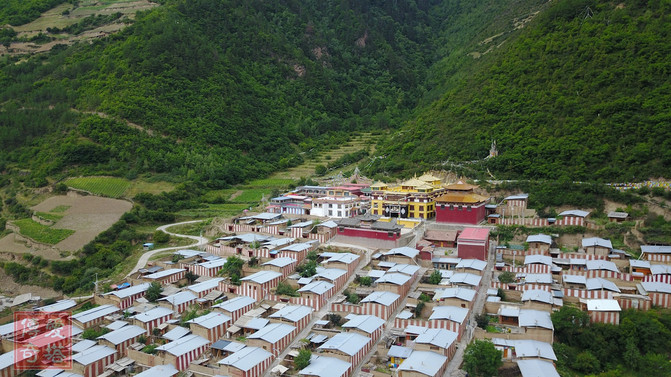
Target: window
x,y
468,208
330,213
451,207
411,207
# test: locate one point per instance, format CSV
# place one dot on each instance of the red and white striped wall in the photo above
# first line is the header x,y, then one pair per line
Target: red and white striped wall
x,y
204,271
170,278
603,274
604,317
664,258
181,307
285,271
582,293
321,237
123,346
212,334
520,287
584,256
524,253
127,302
97,367
432,324
258,291
182,362
660,299
244,228
658,278
256,371
315,304
534,268
279,346
538,222
9,371
237,313
153,323
634,303
368,308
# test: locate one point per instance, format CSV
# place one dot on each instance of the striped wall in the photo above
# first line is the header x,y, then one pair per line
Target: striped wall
x,y
538,222
658,278
660,299
520,287
244,228
315,304
582,293
524,253
634,303
179,308
584,256
203,271
533,268
274,348
97,368
169,279
153,323
605,317
126,302
603,274
258,291
432,324
370,308
238,313
182,362
8,372
664,258
256,371
212,334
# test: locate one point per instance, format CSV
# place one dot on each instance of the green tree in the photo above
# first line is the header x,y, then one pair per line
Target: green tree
x,y
435,277
418,309
154,292
482,320
307,268
586,362
233,269
303,359
569,322
191,277
506,277
320,170
365,281
161,236
286,289
482,359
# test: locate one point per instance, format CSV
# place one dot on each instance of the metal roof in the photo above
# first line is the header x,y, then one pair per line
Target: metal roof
x,y
599,264
235,303
375,274
211,320
58,306
205,285
93,354
121,335
543,238
318,287
639,263
280,262
293,313
618,215
600,283
346,258
365,323
348,343
438,337
603,305
324,366
399,351
409,252
176,333
298,247
660,269
167,370
381,297
180,298
162,274
465,278
473,264
393,278
246,358
424,362
654,249
537,258
278,242
95,313
153,314
217,263
537,295
451,313
254,323
248,238
330,273
263,216
653,286
575,212
83,345
517,197
465,294
116,325
329,224
446,260
273,332
301,224
596,241
534,318
532,348
183,345
262,277
536,278
406,269
537,368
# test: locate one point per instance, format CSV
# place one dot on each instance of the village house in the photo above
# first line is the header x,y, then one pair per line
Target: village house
x,y
540,242
461,297
172,275
204,288
472,266
536,367
536,324
423,364
317,290
125,298
618,217
659,293
439,238
259,285
285,266
402,255
454,314
514,349
324,366
538,299
347,346
159,371
366,325
653,253
296,315
236,306
473,243
380,304
445,263
211,326
574,217
597,246
93,317
466,280
394,282
343,261
274,337
603,310
122,338
247,362
210,268
183,351
440,341
334,276
291,204
152,318
339,202
92,362
179,302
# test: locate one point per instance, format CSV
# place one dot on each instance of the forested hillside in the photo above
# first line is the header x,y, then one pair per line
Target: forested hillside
x,y
223,91
581,94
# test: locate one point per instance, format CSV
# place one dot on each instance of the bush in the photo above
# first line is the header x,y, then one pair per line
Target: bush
x,y
286,289
366,281
435,277
506,277
303,359
154,292
482,320
418,309
161,236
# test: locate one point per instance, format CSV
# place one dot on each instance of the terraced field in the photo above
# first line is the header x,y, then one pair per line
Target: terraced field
x,y
307,169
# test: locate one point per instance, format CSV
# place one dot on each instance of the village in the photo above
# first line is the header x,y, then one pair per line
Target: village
x,y
357,279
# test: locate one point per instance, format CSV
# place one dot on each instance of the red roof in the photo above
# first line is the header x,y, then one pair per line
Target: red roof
x,y
474,234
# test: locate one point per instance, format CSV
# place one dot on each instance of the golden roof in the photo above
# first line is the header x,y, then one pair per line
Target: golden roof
x,y
461,198
429,178
461,186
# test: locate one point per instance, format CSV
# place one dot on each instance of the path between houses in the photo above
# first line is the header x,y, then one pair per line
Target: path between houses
x,y
454,364
145,257
323,311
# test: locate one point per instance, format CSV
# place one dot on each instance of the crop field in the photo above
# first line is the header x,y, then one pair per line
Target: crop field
x,y
50,216
271,183
110,187
214,210
42,233
251,195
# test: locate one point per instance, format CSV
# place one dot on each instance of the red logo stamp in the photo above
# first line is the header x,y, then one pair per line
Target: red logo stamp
x,y
43,340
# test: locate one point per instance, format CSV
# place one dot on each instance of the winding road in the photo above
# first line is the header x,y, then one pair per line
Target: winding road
x,y
145,257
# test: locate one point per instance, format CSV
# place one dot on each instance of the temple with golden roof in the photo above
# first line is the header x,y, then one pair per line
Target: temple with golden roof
x,y
414,198
461,205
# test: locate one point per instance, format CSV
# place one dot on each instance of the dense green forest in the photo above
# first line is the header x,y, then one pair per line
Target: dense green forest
x,y
19,12
581,94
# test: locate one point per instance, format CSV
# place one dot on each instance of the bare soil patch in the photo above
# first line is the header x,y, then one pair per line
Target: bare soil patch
x,y
10,288
88,216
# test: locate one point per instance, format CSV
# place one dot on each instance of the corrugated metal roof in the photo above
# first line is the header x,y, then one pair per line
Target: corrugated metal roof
x,y
298,247
537,368
205,285
119,336
95,313
575,212
247,358
162,274
180,298
425,362
393,278
167,370
365,323
517,197
183,345
465,294
535,278
474,264
465,278
596,241
330,273
280,262
211,320
93,354
153,314
537,295
347,342
381,297
399,351
438,337
660,269
116,325
539,259
346,258
534,318
654,249
603,305
58,306
409,252
543,238
653,286
262,277
599,264
324,366
235,303
293,313
318,287
451,313
176,333
600,283
406,269
217,263
83,345
273,332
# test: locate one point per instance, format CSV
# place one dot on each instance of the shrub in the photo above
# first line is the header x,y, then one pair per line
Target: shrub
x,y
506,277
435,277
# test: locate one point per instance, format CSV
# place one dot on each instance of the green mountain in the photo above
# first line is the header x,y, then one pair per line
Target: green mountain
x,y
581,93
